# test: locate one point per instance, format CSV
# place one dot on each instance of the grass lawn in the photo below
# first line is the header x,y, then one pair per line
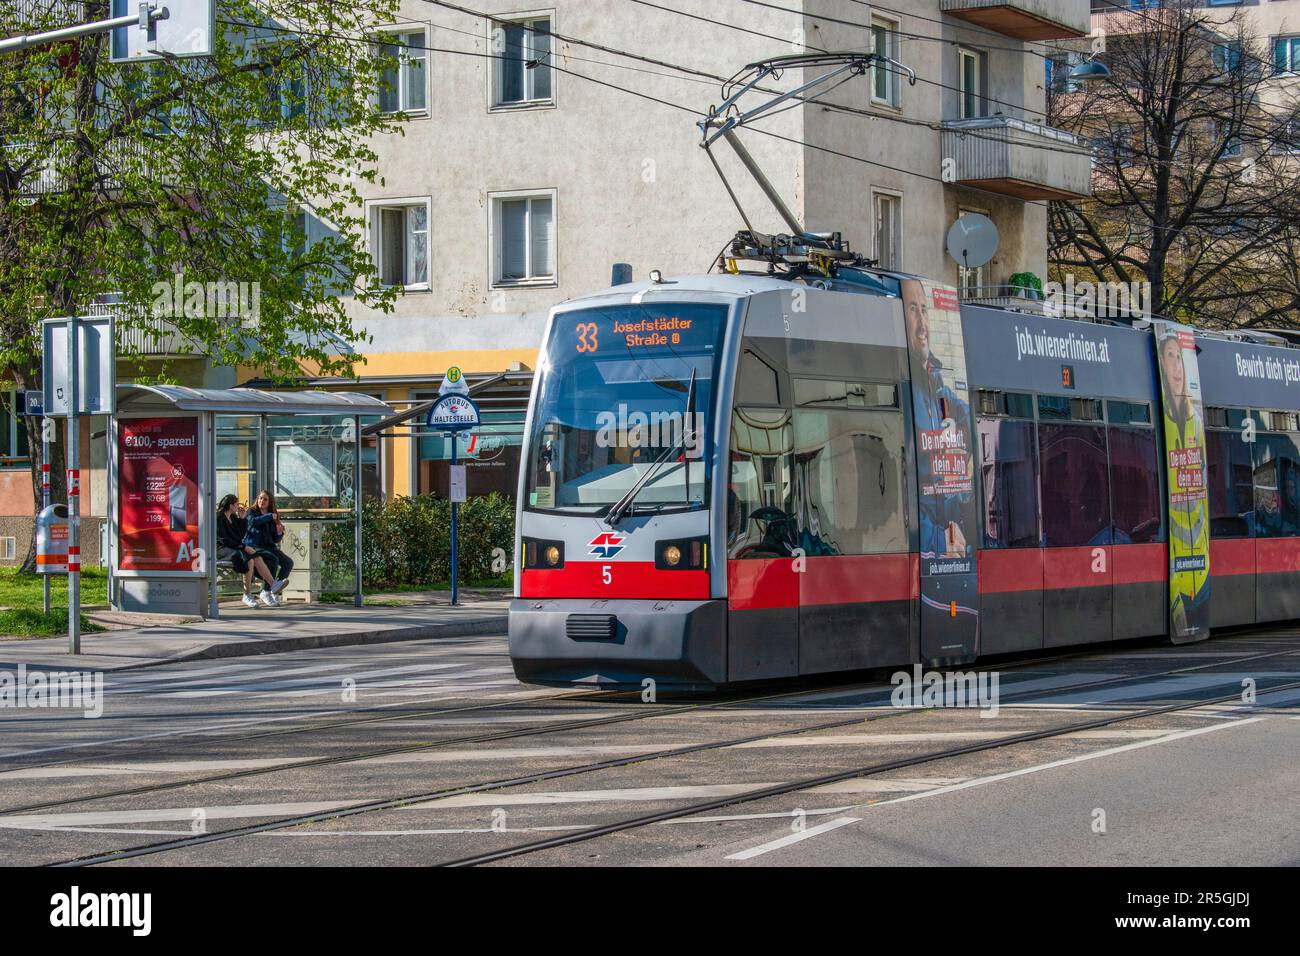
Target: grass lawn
x,y
345,597
22,609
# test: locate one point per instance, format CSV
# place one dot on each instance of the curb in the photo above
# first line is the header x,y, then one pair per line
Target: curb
x,y
488,625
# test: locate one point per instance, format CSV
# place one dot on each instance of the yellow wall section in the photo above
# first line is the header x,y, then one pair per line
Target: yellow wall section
x,y
429,363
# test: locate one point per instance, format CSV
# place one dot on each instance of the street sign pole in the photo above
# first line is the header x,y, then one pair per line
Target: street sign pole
x,y
454,507
454,412
74,493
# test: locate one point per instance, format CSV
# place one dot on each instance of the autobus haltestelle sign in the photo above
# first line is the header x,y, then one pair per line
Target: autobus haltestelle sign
x,y
453,413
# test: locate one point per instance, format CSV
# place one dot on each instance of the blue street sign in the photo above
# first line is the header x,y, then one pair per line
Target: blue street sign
x,y
34,407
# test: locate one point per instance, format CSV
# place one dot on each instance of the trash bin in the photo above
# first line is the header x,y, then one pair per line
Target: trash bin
x,y
52,540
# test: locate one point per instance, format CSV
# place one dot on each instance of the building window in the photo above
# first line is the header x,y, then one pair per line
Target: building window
x,y
970,83
884,77
523,69
1227,57
888,237
523,239
1286,54
13,433
404,80
399,242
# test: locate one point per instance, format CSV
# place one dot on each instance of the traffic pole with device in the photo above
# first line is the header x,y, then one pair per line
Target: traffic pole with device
x,y
74,495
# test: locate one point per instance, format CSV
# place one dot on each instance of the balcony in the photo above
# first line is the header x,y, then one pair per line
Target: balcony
x,y
1018,158
1025,19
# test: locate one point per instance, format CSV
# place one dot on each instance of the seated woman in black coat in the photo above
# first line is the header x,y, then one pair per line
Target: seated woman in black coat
x,y
231,529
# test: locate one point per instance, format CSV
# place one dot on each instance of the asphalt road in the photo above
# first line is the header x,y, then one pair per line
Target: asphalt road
x,y
448,758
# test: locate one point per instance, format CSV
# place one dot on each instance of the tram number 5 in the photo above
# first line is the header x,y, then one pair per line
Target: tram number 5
x,y
587,337
606,574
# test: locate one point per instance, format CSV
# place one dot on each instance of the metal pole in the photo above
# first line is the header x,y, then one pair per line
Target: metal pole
x,y
453,520
143,19
208,510
74,490
358,599
45,492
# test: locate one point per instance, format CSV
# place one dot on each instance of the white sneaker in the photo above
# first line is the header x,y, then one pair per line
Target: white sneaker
x,y
249,600
268,599
279,585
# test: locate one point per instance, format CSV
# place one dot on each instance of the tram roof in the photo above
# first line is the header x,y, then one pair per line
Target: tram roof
x,y
740,285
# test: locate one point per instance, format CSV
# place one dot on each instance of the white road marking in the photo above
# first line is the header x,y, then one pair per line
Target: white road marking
x,y
40,821
175,766
1052,765
793,838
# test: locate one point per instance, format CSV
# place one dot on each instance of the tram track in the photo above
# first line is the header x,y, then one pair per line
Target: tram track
x,y
178,741
553,727
869,770
614,763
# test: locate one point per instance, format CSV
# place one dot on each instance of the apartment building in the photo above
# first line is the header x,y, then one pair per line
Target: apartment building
x,y
542,144
520,180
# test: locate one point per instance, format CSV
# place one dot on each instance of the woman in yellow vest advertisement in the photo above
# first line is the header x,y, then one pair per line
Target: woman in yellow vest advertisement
x,y
1189,521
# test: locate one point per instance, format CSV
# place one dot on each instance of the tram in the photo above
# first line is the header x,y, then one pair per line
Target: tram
x,y
820,466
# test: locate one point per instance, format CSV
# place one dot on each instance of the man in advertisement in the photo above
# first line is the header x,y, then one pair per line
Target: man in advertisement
x,y
945,473
944,462
1189,524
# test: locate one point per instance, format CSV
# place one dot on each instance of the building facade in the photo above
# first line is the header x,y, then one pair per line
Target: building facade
x,y
542,144
559,140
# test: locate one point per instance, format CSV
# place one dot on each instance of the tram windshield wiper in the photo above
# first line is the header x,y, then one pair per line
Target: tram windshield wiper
x,y
624,504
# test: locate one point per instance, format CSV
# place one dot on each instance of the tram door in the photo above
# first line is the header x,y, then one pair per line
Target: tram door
x,y
762,574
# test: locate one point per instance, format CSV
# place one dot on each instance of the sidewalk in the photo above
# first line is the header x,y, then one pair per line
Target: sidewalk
x,y
240,633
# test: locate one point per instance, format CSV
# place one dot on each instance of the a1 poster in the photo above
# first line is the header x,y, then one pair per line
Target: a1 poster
x,y
948,518
158,493
1189,506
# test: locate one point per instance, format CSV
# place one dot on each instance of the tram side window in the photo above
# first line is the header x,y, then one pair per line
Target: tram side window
x,y
849,481
756,381
1075,485
1009,469
1135,486
759,490
1230,475
1277,486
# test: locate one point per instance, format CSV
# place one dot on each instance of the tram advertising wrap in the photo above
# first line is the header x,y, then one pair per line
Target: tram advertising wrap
x,y
1189,513
948,520
158,493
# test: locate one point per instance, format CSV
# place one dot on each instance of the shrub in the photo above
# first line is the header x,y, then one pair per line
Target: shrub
x,y
406,542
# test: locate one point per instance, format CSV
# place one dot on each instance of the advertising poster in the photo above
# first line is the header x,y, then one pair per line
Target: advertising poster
x,y
158,493
948,519
1189,508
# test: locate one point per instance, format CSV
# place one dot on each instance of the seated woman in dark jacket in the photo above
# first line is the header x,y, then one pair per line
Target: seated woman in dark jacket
x,y
265,531
231,530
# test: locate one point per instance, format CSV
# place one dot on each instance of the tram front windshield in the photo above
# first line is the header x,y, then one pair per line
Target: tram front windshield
x,y
626,395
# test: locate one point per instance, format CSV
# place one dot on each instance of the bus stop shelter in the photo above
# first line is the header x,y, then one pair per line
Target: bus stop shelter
x,y
174,452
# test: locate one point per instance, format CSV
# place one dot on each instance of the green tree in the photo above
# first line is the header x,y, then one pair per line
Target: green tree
x,y
117,178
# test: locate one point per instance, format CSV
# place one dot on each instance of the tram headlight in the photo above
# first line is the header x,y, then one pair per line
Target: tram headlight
x,y
689,554
542,554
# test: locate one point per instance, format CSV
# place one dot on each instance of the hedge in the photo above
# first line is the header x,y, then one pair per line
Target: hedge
x,y
406,542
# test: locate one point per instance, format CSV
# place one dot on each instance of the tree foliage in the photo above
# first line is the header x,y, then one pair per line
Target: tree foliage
x,y
1196,186
115,179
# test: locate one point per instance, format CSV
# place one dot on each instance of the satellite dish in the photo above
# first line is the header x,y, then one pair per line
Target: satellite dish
x,y
972,240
